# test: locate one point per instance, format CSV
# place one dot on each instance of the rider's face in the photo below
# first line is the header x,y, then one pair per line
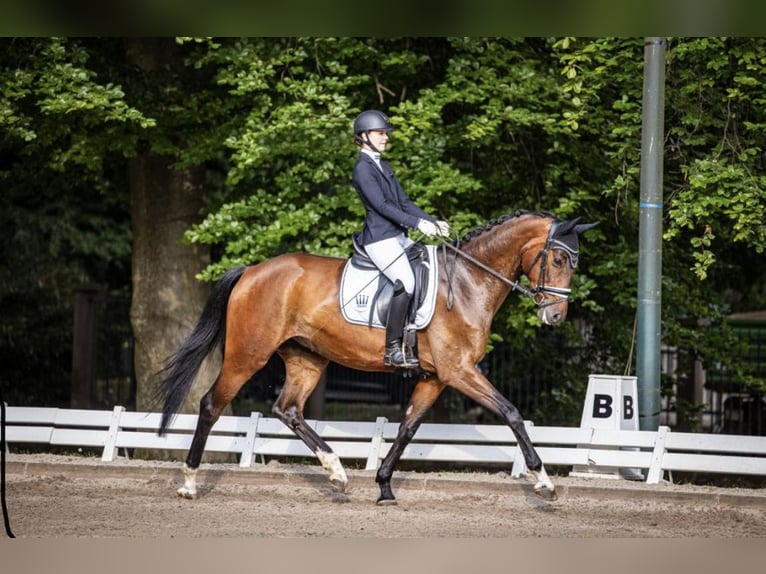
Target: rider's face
x,y
378,138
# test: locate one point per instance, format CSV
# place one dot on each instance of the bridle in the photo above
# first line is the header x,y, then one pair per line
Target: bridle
x,y
562,293
538,292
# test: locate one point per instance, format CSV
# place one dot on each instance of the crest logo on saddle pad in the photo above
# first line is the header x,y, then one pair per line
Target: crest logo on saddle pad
x,y
362,300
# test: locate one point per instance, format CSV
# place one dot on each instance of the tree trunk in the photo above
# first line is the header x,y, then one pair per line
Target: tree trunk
x,y
167,298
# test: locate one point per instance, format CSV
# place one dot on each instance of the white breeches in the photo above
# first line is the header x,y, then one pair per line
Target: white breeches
x,y
388,256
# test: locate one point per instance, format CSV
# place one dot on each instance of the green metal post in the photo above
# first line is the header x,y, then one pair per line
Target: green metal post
x,y
648,328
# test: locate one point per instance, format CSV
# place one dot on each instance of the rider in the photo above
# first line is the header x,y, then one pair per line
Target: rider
x,y
389,214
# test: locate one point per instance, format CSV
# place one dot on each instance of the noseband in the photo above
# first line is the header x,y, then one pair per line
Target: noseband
x,y
536,293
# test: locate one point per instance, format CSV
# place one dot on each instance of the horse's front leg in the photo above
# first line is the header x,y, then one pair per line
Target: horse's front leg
x,y
543,485
476,386
423,397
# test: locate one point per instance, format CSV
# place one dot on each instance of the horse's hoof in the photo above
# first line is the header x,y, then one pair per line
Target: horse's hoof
x,y
386,502
546,494
338,485
187,494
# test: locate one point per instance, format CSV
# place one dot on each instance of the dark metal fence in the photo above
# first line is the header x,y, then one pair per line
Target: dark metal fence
x,y
715,398
103,372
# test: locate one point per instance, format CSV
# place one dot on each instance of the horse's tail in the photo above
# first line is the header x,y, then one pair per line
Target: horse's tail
x,y
181,368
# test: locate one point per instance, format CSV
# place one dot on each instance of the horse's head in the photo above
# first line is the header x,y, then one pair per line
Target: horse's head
x,y
550,268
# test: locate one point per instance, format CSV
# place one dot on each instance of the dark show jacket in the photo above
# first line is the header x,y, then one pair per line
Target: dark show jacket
x,y
389,210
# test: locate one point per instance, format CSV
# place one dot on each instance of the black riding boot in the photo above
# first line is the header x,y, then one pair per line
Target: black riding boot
x,y
397,315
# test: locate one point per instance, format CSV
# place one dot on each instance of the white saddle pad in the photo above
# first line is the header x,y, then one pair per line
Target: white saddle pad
x,y
358,286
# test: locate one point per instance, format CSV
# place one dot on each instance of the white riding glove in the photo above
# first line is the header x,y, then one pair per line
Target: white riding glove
x,y
444,228
427,228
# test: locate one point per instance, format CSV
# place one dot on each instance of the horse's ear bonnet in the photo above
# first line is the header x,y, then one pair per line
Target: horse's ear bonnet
x,y
566,236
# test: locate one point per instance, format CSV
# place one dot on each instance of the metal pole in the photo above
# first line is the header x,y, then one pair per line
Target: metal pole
x,y
650,236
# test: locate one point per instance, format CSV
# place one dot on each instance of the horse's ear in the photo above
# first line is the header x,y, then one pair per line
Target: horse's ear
x,y
583,227
566,227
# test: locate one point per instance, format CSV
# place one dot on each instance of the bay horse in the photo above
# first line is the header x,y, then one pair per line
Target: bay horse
x,y
289,305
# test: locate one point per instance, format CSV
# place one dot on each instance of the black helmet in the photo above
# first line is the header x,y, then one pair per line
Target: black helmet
x,y
371,120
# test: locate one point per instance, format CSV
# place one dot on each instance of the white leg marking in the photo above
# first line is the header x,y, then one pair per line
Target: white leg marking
x,y
331,462
189,489
543,482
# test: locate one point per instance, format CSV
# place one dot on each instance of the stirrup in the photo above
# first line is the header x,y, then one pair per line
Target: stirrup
x,y
396,357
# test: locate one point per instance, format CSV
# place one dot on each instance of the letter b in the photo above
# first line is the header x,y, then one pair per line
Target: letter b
x,y
627,409
602,406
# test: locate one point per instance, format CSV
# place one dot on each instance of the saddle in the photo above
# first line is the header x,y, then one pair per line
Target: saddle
x,y
419,259
365,293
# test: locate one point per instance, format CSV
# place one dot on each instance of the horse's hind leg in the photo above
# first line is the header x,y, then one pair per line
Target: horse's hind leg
x,y
303,369
225,388
423,397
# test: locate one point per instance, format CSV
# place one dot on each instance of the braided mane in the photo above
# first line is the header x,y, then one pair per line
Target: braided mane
x,y
499,221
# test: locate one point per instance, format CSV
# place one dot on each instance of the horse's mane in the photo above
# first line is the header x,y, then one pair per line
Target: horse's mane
x,y
499,221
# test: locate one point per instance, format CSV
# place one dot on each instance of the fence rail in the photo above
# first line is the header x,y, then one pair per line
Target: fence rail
x,y
656,452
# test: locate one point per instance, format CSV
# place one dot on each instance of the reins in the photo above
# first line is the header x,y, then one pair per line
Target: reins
x,y
561,292
514,285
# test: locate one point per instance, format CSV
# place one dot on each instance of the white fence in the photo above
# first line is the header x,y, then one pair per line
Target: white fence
x,y
656,452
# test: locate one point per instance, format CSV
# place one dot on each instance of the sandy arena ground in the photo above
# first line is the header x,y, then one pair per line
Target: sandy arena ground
x,y
65,496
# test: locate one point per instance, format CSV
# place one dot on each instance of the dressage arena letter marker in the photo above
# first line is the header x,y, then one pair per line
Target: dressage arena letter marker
x,y
610,403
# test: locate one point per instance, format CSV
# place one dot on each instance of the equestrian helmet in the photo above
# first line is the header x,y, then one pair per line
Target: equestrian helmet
x,y
371,120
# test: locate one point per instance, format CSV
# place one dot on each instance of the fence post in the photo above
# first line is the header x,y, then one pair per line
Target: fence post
x,y
519,467
376,443
654,474
110,443
252,433
84,346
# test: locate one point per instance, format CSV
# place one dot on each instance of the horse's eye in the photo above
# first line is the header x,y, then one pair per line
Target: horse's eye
x,y
558,262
